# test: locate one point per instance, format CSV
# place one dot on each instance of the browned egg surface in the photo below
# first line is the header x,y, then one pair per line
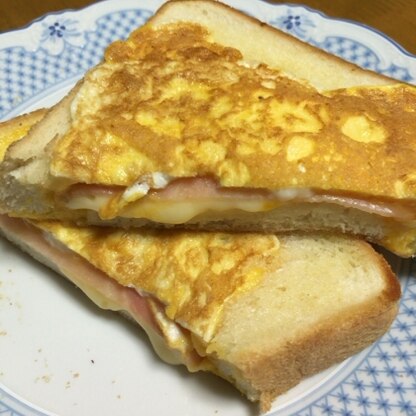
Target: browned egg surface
x,y
192,274
171,101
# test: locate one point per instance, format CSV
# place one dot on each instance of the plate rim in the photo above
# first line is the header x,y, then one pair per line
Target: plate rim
x,y
118,6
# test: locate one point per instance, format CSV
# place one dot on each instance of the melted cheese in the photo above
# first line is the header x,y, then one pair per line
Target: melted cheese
x,y
182,210
179,212
169,348
169,211
169,340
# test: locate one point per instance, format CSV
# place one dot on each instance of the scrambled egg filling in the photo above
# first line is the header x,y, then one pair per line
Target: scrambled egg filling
x,y
171,101
192,274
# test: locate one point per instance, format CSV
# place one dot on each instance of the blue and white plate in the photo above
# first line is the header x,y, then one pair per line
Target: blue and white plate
x,y
59,355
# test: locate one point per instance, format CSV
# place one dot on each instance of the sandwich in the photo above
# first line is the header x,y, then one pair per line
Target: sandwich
x,y
260,310
206,118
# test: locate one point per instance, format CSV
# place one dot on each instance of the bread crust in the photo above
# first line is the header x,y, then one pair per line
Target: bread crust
x,y
221,20
55,122
316,351
272,370
17,126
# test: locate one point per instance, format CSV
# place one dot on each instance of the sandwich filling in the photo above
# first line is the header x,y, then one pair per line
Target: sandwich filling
x,y
185,199
169,340
168,107
175,285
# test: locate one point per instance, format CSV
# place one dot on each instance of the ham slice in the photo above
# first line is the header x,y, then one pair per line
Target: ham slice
x,y
103,290
207,189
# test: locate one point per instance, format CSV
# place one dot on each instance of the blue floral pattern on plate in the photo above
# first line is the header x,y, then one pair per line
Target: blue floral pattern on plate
x,y
63,51
60,47
302,26
58,33
296,24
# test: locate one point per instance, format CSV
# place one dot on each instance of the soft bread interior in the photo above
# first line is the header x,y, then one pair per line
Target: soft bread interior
x,y
328,299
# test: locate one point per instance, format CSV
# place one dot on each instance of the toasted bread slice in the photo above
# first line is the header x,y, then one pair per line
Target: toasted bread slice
x,y
306,304
15,129
259,42
261,311
195,122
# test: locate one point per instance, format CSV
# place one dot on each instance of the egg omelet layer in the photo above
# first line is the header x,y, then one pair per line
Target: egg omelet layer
x,y
192,274
171,101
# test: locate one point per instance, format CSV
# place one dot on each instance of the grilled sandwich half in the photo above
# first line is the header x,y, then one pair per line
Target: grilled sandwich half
x,y
260,310
210,119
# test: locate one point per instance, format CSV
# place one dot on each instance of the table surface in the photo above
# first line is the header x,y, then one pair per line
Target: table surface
x,y
396,18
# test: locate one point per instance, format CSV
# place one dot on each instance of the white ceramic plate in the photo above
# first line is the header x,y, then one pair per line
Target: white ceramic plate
x,y
60,355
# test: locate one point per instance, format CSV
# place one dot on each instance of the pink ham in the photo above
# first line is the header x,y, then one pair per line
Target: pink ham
x,y
205,188
82,273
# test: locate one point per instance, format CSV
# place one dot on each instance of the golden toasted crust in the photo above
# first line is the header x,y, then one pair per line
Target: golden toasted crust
x,y
328,345
16,128
227,26
35,144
